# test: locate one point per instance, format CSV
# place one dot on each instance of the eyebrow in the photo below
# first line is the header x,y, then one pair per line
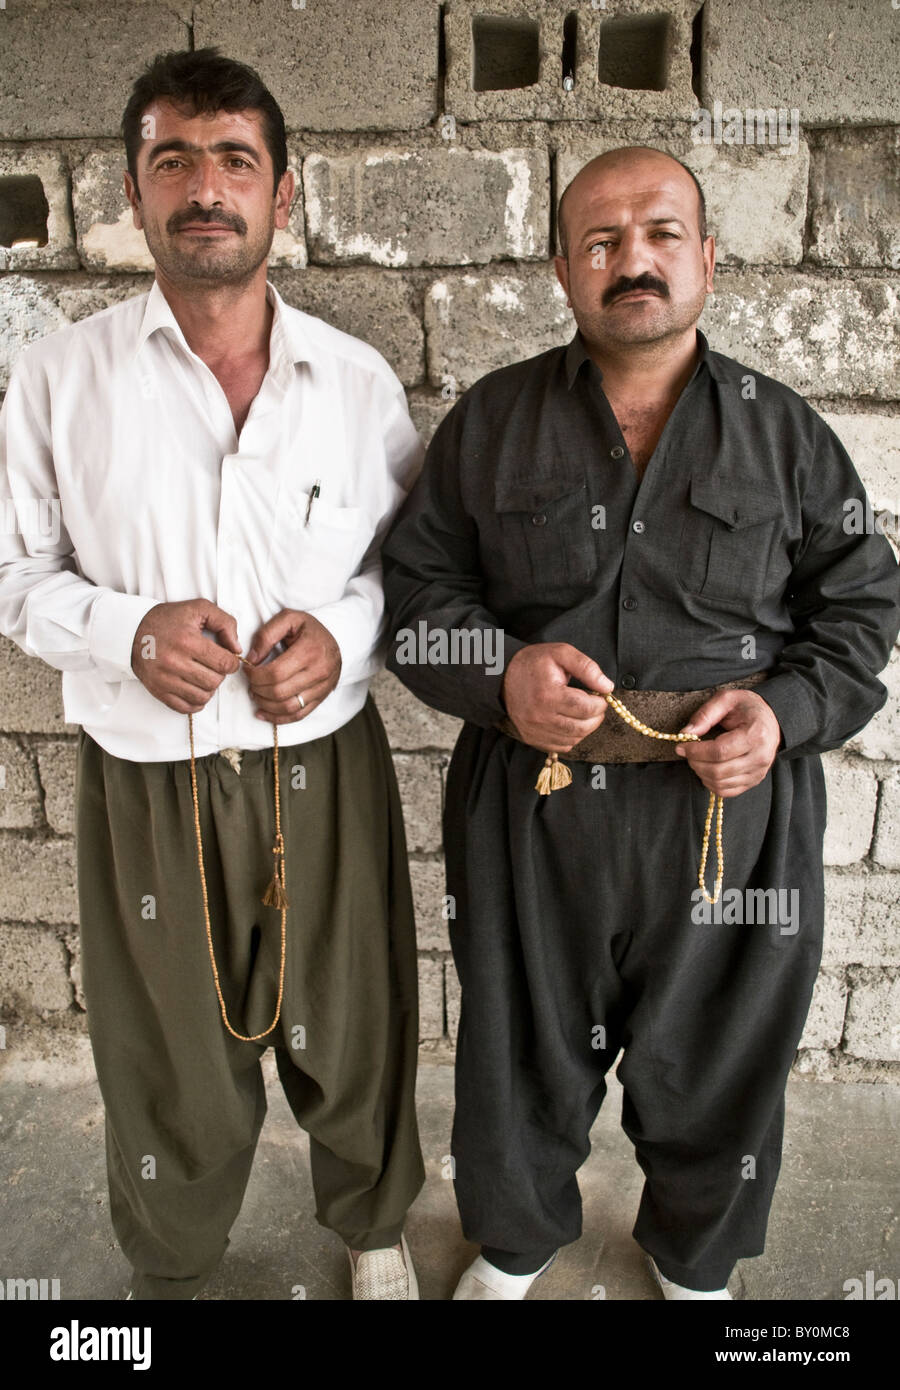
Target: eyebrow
x,y
648,222
184,147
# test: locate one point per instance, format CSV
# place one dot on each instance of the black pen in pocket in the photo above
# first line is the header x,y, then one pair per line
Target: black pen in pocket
x,y
312,497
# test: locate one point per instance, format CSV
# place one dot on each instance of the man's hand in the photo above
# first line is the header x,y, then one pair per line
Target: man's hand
x,y
548,712
175,661
739,759
309,666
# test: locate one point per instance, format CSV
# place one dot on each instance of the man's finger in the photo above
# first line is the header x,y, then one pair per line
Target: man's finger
x,y
582,668
215,619
727,747
272,632
713,712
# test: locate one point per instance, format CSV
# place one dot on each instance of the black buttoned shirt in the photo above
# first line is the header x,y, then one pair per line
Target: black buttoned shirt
x,y
739,550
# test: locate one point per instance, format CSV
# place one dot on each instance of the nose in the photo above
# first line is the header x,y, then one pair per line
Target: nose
x,y
203,184
633,254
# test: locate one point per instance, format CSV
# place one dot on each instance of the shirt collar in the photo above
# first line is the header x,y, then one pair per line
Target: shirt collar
x,y
288,343
577,354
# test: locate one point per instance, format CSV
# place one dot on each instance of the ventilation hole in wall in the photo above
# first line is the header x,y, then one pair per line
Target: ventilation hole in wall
x,y
634,52
697,53
23,211
507,52
570,50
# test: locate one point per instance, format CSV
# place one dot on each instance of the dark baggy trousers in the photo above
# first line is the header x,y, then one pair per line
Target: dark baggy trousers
x,y
184,1100
573,939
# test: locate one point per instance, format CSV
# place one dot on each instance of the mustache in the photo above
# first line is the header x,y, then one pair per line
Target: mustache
x,y
210,218
640,282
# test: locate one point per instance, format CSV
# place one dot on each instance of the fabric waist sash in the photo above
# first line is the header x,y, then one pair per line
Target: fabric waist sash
x,y
666,710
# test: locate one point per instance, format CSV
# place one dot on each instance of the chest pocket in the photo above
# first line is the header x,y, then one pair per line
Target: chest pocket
x,y
727,541
310,565
545,533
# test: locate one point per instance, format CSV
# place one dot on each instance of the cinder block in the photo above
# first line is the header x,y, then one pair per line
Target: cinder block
x,y
852,796
20,805
508,59
34,203
825,1021
872,1027
886,849
34,976
68,65
427,412
108,239
419,779
409,723
821,337
56,764
431,998
844,899
372,65
755,198
381,307
837,61
28,312
428,207
475,323
37,880
854,196
453,999
429,895
881,736
30,692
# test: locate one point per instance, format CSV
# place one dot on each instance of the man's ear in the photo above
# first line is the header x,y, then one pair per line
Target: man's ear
x,y
134,199
709,258
561,266
284,197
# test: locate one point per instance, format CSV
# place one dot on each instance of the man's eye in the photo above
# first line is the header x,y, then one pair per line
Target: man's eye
x,y
669,234
595,244
238,160
166,162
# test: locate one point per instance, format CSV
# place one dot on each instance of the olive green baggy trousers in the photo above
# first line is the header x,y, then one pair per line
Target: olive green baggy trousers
x,y
185,1100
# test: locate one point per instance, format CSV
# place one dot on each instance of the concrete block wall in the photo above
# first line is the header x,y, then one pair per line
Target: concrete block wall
x,y
431,143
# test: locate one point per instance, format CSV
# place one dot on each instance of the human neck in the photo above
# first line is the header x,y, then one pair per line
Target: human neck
x,y
650,371
221,322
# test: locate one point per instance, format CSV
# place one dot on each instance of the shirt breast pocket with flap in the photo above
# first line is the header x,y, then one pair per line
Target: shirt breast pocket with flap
x,y
727,542
545,533
311,562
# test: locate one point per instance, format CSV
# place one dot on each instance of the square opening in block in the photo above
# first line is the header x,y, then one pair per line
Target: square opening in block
x,y
634,52
506,52
23,211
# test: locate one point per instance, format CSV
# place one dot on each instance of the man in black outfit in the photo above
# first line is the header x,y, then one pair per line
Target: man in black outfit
x,y
636,512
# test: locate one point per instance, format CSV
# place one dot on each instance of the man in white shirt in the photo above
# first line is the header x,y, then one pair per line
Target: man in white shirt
x,y
219,470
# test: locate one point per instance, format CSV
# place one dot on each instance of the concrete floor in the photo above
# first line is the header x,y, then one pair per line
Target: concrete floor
x,y
834,1215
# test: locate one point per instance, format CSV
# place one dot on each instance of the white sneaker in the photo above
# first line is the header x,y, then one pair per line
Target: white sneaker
x,y
384,1274
483,1280
678,1293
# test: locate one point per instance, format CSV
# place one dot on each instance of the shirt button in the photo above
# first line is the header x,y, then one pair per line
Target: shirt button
x,y
539,519
628,682
637,526
630,604
617,453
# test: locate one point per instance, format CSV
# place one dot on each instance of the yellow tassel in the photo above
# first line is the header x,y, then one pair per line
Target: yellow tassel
x,y
560,776
544,783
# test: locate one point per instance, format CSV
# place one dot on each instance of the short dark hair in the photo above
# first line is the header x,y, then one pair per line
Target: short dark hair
x,y
204,82
701,218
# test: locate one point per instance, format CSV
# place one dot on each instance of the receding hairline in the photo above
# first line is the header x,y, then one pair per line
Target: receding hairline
x,y
628,154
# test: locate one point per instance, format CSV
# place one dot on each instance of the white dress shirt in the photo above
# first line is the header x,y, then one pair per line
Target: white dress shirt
x,y
123,484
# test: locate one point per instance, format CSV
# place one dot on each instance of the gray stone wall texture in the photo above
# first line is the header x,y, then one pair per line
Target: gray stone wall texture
x,y
431,143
